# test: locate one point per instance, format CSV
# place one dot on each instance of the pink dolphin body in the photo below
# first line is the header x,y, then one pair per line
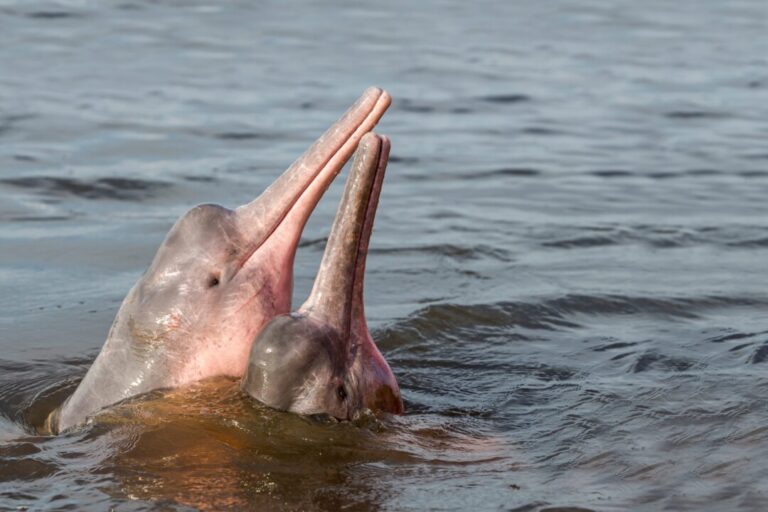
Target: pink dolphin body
x,y
219,276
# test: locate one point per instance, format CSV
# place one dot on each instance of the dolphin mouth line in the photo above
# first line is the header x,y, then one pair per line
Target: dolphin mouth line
x,y
364,125
360,245
337,293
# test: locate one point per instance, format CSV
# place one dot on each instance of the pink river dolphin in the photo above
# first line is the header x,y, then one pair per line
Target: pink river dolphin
x,y
321,359
219,276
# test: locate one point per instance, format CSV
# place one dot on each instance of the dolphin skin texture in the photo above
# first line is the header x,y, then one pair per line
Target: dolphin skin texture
x,y
321,359
219,276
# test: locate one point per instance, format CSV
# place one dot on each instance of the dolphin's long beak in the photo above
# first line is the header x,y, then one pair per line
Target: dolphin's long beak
x,y
323,359
337,295
288,202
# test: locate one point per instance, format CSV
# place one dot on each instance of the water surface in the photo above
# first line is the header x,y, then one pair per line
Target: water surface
x,y
568,275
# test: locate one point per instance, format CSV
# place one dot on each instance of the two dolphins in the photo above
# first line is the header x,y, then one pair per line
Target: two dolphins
x,y
216,299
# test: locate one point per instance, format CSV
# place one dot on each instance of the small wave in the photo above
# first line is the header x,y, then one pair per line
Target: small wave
x,y
695,114
612,173
516,172
200,179
753,174
540,130
505,98
582,242
735,336
123,189
452,251
662,175
760,355
29,391
483,320
23,467
555,509
677,174
52,15
658,236
313,242
408,105
459,105
9,121
751,244
397,159
702,172
614,346
501,172
656,361
41,218
238,136
756,156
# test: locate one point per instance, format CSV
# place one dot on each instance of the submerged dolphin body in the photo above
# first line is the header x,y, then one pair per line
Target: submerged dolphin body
x,y
219,276
322,359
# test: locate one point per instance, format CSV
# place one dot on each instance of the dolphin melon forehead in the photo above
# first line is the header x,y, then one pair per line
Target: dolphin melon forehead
x,y
203,226
290,353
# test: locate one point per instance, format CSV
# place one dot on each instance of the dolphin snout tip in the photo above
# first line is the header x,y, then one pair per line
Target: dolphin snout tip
x,y
381,94
372,139
368,139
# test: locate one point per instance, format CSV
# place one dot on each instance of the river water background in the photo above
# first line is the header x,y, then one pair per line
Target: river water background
x,y
568,274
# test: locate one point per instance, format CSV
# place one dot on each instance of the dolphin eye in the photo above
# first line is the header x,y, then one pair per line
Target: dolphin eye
x,y
341,392
213,281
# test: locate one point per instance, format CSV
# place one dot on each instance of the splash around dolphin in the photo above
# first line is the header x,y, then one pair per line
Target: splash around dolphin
x,y
321,359
219,276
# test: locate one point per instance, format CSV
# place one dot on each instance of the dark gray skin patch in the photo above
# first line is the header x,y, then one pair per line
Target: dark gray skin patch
x,y
298,362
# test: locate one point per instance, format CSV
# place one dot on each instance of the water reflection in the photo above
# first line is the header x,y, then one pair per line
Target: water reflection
x,y
212,448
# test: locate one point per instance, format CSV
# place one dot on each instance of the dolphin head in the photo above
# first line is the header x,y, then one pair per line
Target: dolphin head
x,y
322,359
217,278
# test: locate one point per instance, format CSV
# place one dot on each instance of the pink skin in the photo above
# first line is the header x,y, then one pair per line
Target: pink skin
x,y
217,279
322,359
370,378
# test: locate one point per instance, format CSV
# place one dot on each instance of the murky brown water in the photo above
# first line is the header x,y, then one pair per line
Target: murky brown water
x,y
569,272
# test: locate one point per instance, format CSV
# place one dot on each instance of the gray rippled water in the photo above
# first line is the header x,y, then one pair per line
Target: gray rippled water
x,y
568,275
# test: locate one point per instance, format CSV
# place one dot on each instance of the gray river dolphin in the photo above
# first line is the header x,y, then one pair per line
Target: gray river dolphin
x,y
321,359
219,276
